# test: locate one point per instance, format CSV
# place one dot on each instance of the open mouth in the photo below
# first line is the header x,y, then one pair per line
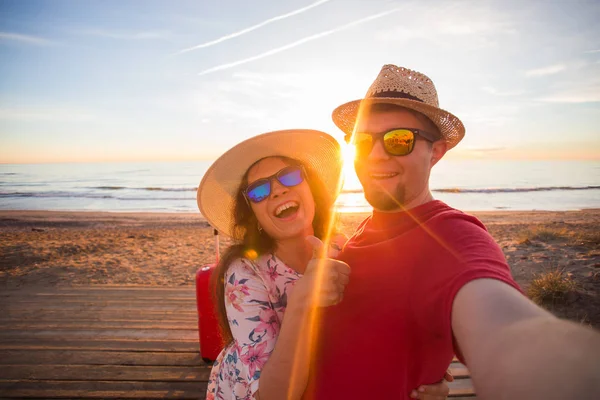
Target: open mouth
x,y
287,209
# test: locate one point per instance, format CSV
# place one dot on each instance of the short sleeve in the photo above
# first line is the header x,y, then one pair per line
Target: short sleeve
x,y
466,252
253,322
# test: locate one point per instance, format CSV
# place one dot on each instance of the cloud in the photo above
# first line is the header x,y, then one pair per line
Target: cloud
x,y
143,35
478,152
592,51
466,22
253,27
572,98
28,39
482,150
47,114
495,92
297,43
550,70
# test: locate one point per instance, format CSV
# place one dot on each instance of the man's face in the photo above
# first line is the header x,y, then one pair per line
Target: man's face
x,y
392,183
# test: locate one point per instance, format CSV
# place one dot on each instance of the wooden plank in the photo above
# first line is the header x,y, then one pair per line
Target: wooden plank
x,y
458,370
102,315
126,390
133,288
99,288
97,334
105,373
13,325
29,302
100,389
461,387
125,295
99,306
95,390
87,357
106,345
147,295
116,295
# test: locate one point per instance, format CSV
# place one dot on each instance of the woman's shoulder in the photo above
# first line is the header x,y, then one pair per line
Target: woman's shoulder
x,y
242,265
263,266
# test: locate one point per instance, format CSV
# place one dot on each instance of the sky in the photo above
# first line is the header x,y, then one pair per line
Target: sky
x,y
87,81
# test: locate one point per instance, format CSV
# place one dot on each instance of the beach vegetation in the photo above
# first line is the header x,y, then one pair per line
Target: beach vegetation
x,y
551,288
543,234
587,238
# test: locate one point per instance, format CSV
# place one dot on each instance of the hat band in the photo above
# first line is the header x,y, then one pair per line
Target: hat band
x,y
396,95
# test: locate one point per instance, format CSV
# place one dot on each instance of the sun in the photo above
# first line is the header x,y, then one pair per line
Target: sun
x,y
351,182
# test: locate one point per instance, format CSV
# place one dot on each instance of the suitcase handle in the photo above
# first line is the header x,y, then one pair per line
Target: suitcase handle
x,y
216,233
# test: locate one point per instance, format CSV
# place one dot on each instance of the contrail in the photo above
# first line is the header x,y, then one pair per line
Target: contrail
x,y
297,43
253,27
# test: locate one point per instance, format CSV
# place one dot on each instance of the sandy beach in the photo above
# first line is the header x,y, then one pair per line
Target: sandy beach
x,y
165,249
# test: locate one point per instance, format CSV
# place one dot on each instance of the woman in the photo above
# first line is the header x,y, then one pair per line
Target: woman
x,y
270,193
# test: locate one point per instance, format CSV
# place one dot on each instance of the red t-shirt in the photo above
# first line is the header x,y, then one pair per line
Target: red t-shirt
x,y
392,332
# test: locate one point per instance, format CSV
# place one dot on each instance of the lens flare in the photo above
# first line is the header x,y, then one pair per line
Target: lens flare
x,y
251,254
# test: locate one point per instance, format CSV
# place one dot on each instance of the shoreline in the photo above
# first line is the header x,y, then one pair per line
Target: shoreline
x,y
55,248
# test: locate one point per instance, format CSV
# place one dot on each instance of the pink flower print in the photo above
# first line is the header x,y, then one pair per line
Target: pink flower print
x,y
235,293
268,322
255,358
242,391
272,272
229,373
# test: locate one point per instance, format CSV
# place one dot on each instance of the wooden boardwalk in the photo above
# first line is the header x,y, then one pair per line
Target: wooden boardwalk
x,y
110,342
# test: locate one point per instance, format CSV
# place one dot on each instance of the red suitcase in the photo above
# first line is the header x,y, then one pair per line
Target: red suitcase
x,y
208,327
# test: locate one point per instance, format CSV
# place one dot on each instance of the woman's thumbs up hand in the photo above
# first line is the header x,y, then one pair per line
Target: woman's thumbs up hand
x,y
324,279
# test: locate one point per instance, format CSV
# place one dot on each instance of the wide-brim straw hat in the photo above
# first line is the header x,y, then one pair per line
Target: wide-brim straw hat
x,y
315,149
406,88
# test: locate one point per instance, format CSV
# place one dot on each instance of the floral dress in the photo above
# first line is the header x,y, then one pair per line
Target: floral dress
x,y
255,298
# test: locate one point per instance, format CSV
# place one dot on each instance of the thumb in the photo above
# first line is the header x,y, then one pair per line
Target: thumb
x,y
317,245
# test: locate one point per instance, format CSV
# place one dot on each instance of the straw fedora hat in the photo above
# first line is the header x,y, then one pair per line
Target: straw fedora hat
x,y
406,88
221,182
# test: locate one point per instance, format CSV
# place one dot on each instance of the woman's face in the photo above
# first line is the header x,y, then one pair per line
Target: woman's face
x,y
286,212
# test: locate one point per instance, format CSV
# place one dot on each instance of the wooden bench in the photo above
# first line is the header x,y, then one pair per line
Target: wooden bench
x,y
110,342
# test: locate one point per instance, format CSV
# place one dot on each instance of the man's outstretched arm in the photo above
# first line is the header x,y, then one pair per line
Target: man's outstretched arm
x,y
516,350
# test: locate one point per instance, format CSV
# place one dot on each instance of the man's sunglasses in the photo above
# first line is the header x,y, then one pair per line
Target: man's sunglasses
x,y
396,142
260,189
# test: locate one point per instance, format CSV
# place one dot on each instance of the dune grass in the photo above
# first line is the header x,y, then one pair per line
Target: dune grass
x,y
544,234
550,288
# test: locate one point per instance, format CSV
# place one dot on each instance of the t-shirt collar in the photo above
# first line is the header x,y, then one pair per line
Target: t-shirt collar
x,y
416,214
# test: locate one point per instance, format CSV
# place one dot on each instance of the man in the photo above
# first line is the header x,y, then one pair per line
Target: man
x,y
428,281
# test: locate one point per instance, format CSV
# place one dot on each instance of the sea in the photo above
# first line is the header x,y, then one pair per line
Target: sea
x,y
469,185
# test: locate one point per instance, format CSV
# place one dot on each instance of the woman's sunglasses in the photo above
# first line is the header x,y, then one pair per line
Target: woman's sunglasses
x,y
260,189
396,142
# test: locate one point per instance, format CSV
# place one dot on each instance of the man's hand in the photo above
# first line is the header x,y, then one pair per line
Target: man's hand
x,y
437,391
516,350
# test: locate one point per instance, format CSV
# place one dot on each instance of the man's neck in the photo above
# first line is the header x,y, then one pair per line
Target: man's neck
x,y
424,197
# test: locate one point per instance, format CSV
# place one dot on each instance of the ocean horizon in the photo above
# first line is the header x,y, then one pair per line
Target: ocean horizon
x,y
470,185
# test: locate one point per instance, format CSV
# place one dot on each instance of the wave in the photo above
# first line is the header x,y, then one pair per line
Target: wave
x,y
116,189
55,195
62,195
515,190
150,189
499,190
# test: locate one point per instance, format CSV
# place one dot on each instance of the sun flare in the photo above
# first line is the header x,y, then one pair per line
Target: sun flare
x,y
351,181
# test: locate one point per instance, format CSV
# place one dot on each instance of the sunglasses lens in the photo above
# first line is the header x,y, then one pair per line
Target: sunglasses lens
x,y
291,176
259,190
399,142
363,143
